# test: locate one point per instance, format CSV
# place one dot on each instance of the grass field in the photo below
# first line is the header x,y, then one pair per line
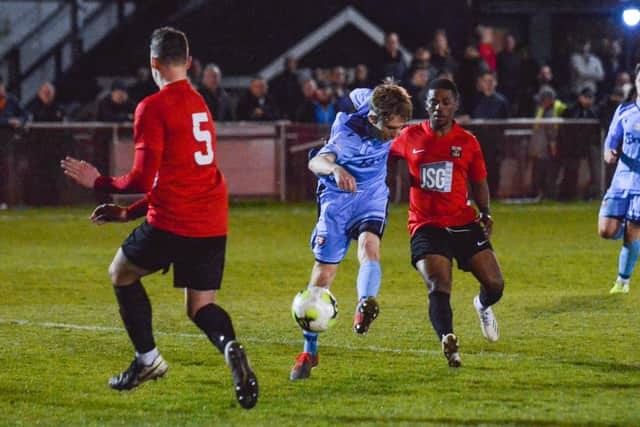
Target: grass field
x,y
569,353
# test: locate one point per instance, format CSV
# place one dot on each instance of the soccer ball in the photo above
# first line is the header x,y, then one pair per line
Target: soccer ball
x,y
315,309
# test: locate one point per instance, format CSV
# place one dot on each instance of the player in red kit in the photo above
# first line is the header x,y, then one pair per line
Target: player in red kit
x,y
443,159
186,217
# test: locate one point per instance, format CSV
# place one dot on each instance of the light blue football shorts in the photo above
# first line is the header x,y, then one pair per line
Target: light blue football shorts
x,y
343,216
621,206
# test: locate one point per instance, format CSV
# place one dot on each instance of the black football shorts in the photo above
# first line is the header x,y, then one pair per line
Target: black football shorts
x,y
198,262
461,243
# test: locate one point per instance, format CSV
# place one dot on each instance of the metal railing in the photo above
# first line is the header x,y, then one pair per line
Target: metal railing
x,y
526,159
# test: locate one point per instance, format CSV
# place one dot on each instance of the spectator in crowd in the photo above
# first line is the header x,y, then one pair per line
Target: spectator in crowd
x,y
389,63
417,89
360,78
488,103
256,104
528,86
545,77
468,72
45,108
320,109
543,149
214,95
309,87
195,72
322,75
508,68
340,90
579,142
586,69
116,107
11,113
485,45
528,103
422,61
43,183
286,88
611,64
623,82
305,113
441,57
143,86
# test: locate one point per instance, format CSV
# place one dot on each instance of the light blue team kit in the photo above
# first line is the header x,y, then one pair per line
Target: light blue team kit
x,y
342,213
622,199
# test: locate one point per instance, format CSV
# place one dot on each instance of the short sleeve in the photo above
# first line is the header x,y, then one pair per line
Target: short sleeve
x,y
342,144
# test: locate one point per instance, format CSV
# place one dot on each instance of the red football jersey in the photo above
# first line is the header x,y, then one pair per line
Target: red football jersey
x,y
440,167
175,163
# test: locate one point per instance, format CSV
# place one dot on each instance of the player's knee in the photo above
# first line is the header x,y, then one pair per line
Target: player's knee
x,y
120,277
438,284
494,285
607,232
369,247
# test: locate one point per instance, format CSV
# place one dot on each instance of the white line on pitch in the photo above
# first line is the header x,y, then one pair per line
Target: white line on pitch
x,y
373,348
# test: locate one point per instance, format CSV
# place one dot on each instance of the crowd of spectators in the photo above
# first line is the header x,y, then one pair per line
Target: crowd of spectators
x,y
497,79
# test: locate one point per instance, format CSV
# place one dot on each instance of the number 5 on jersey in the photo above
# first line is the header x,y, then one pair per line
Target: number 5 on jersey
x,y
201,135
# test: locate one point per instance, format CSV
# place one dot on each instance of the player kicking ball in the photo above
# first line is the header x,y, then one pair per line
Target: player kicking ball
x,y
619,216
443,158
186,218
352,201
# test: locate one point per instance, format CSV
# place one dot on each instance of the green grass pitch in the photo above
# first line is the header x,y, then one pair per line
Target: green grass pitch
x,y
568,355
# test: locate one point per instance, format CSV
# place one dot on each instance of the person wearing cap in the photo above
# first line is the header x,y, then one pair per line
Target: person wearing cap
x,y
116,107
543,149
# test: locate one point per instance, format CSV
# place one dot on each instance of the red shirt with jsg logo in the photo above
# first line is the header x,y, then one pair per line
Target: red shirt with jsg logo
x,y
440,167
175,164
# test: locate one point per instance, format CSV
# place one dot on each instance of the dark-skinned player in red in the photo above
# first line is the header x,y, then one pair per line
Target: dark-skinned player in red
x,y
443,160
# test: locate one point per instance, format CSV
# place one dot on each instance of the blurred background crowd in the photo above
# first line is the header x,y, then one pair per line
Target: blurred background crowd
x,y
497,78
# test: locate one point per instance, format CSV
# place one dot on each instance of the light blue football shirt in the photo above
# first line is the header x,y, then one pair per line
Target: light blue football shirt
x,y
362,155
625,128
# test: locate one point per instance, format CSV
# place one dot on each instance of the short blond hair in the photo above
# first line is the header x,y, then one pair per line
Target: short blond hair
x,y
389,99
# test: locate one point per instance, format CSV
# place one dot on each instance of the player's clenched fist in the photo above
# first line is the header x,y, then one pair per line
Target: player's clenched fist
x,y
611,156
344,179
80,171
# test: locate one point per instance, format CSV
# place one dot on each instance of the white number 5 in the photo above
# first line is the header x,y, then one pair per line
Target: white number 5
x,y
200,135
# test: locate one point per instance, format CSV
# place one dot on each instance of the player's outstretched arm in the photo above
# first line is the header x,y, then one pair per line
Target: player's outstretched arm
x,y
480,190
325,164
80,171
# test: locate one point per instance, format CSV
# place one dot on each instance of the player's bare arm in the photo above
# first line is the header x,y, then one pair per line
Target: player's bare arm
x,y
480,190
611,156
325,164
80,171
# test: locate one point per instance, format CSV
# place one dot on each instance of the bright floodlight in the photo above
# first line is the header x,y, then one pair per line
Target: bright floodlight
x,y
631,17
